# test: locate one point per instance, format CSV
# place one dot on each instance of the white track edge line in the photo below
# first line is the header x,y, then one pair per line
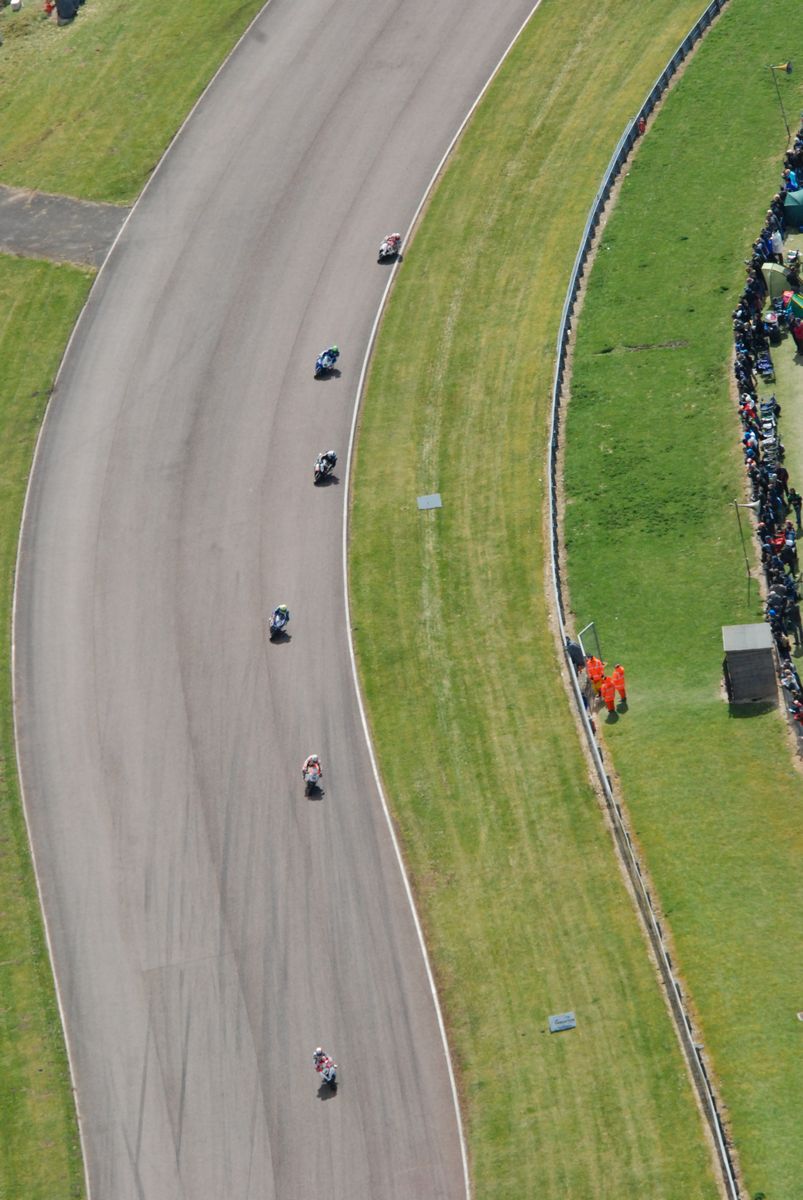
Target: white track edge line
x,y
34,460
355,676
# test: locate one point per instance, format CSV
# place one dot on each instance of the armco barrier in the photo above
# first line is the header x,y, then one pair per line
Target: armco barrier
x,y
692,1049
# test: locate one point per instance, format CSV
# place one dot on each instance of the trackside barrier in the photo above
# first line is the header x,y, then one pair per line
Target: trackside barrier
x,y
692,1049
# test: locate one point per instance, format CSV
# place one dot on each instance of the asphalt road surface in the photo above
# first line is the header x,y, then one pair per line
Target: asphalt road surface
x,y
210,926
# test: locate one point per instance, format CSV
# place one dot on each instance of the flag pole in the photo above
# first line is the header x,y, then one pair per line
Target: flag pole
x,y
787,68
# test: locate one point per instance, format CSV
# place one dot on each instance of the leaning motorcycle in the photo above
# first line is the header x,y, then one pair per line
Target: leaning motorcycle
x,y
324,363
323,467
390,246
277,624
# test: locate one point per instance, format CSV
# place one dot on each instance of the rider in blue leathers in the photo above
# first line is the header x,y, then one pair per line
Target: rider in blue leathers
x,y
282,613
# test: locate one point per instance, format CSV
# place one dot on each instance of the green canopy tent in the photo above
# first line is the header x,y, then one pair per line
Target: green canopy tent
x,y
775,279
793,209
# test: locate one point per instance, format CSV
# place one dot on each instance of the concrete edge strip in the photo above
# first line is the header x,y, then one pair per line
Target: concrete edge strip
x,y
346,507
20,541
691,1048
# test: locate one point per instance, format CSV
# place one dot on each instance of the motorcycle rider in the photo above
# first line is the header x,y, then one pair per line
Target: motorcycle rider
x,y
333,352
324,1065
278,621
311,761
328,460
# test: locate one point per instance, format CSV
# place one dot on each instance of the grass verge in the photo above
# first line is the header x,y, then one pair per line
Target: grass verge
x,y
92,106
652,468
515,873
40,1155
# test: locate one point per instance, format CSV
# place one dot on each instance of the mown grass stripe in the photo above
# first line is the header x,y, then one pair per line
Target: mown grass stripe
x,y
652,467
517,880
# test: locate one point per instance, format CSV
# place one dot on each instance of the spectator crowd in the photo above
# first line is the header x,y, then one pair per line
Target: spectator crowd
x,y
759,323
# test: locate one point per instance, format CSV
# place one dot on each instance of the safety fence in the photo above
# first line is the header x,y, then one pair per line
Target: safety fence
x,y
692,1049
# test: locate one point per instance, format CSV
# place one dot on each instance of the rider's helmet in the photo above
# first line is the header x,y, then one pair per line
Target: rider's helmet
x,y
318,1050
336,349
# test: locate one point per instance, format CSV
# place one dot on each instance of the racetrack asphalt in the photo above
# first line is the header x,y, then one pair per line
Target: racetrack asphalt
x,y
209,924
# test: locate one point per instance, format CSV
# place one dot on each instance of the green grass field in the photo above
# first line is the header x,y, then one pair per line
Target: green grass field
x,y
40,1156
515,872
90,107
652,468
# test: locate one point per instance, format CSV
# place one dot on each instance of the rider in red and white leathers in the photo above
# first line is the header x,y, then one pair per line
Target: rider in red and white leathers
x,y
312,761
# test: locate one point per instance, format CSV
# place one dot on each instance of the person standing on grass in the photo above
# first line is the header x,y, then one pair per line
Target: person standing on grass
x,y
783,645
776,241
782,476
796,330
754,476
796,623
608,692
796,500
595,669
575,653
618,679
791,681
788,556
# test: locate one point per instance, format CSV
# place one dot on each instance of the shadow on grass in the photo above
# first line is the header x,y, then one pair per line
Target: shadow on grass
x,y
756,708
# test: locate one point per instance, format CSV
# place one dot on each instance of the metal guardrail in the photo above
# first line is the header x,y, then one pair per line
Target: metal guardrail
x,y
692,1049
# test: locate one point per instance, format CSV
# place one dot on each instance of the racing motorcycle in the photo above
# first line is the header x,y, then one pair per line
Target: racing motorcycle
x,y
324,363
278,623
324,465
390,246
312,778
326,1068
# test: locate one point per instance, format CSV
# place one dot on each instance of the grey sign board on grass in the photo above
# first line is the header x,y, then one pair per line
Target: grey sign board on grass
x,y
562,1021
